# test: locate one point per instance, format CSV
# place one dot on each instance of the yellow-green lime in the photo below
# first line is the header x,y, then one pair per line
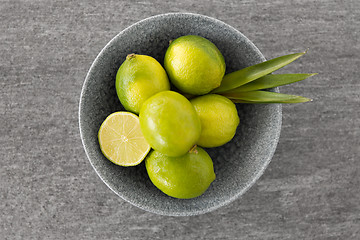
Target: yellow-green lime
x,y
121,139
194,64
138,78
169,123
219,119
187,176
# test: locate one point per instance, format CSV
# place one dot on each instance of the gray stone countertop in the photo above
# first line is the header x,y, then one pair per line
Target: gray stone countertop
x,y
311,189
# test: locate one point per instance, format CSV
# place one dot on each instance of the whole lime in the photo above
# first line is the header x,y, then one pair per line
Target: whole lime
x,y
138,78
169,123
219,119
187,176
194,64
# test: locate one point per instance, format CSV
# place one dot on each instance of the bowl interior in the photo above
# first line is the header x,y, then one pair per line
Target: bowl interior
x,y
238,164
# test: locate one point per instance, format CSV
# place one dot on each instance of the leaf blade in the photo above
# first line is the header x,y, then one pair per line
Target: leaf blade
x,y
265,97
245,75
271,81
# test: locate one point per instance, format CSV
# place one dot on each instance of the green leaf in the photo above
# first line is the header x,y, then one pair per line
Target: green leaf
x,y
245,75
271,81
264,97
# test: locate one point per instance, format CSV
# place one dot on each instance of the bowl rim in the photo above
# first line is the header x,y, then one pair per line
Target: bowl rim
x,y
254,178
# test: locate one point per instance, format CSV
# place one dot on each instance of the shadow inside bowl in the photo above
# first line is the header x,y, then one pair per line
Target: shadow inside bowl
x,y
238,164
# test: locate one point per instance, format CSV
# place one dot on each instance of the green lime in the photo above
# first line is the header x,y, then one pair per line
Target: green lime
x,y
194,64
187,176
169,123
138,78
121,140
219,119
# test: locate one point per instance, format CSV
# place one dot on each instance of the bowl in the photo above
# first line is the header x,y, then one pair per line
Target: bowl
x,y
237,164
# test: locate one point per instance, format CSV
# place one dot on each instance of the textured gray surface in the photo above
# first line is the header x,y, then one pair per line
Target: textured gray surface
x,y
49,190
237,164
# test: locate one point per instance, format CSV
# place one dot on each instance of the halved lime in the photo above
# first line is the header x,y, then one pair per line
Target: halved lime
x,y
121,139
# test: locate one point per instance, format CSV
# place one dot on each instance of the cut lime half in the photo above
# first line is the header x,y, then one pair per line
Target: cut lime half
x,y
121,139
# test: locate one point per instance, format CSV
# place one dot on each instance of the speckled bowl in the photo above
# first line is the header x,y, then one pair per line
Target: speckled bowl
x,y
238,164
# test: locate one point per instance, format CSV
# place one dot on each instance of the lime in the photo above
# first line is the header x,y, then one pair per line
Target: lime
x,y
121,139
194,64
169,123
187,176
219,119
138,78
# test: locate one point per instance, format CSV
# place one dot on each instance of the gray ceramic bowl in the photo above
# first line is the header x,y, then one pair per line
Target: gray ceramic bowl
x,y
238,164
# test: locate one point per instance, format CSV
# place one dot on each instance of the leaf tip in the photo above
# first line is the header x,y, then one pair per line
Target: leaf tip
x,y
304,100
